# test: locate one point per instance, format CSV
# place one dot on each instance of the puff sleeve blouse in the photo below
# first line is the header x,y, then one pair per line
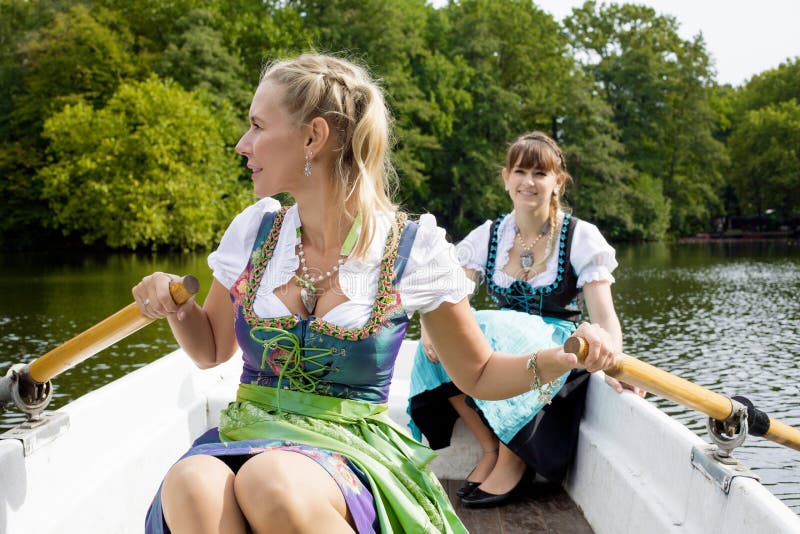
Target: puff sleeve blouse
x,y
592,258
432,275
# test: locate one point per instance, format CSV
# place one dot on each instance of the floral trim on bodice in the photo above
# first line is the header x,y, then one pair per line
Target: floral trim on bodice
x,y
387,300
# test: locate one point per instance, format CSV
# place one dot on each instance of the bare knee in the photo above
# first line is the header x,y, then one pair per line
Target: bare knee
x,y
193,480
276,496
265,490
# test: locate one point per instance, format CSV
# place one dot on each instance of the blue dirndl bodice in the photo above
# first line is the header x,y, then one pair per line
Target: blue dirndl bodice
x,y
315,356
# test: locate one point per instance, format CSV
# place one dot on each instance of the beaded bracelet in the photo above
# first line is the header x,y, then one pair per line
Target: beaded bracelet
x,y
546,389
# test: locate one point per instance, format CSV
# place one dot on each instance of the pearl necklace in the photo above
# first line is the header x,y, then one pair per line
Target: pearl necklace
x,y
307,282
526,259
308,287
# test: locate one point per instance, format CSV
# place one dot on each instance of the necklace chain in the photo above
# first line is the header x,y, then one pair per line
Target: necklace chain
x,y
526,258
529,246
308,282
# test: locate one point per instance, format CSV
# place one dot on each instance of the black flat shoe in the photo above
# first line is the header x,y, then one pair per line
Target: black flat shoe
x,y
467,488
483,499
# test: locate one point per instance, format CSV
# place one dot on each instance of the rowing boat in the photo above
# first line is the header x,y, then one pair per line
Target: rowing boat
x,y
95,464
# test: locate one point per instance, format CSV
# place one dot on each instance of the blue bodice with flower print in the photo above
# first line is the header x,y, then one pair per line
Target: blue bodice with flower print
x,y
312,355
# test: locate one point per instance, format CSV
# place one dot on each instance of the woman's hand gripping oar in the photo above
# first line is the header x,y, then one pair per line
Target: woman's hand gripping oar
x,y
28,386
719,407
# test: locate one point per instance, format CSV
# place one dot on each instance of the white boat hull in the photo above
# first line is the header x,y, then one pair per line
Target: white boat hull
x,y
632,473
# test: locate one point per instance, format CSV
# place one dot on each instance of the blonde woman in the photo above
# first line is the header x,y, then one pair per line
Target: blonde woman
x,y
318,297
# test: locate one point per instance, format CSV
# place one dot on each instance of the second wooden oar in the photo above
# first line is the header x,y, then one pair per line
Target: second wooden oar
x,y
638,373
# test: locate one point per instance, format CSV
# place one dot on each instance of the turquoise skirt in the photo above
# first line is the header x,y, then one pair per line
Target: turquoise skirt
x,y
507,331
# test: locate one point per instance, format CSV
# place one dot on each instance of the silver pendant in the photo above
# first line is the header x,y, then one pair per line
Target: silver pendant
x,y
526,260
309,298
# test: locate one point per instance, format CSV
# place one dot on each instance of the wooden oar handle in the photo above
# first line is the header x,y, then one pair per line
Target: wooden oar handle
x,y
580,348
184,289
638,373
104,334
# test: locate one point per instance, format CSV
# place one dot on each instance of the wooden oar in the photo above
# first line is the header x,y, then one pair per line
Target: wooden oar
x,y
638,373
104,334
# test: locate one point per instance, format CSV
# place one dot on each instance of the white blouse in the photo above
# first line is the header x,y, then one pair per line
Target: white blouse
x,y
432,274
590,254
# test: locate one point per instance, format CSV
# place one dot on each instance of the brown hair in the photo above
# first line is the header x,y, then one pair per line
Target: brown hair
x,y
537,150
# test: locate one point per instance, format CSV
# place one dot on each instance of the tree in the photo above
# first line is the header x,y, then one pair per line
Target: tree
x,y
151,168
80,57
198,59
659,87
17,19
765,147
260,31
521,70
77,57
608,191
776,85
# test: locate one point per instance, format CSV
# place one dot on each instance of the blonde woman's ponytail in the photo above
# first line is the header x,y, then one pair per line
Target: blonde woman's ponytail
x,y
351,102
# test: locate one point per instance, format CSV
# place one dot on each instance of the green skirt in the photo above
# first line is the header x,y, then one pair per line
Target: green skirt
x,y
408,496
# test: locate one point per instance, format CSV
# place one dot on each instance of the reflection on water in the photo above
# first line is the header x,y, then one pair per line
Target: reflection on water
x,y
47,299
724,315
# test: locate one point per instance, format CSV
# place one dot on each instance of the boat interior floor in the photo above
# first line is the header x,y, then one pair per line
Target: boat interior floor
x,y
540,508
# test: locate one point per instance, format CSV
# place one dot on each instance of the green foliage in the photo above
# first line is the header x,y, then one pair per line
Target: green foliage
x,y
659,87
608,191
645,129
149,169
765,147
261,30
520,70
152,22
79,57
197,58
74,56
770,87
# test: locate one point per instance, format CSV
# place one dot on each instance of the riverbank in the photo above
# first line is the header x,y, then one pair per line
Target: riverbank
x,y
791,236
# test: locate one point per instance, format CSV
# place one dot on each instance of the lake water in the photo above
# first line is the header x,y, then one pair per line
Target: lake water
x,y
725,315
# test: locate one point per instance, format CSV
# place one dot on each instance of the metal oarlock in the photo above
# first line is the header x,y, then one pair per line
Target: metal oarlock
x,y
730,433
715,460
17,388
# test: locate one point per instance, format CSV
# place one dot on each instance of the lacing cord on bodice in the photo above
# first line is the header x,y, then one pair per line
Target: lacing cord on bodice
x,y
524,300
293,357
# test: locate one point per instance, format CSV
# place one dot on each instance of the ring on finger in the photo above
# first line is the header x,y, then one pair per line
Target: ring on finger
x,y
146,303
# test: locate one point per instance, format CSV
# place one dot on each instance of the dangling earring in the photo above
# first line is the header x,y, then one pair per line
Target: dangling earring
x,y
555,191
506,187
307,166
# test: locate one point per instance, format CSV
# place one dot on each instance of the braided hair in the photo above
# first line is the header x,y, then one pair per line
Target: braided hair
x,y
344,94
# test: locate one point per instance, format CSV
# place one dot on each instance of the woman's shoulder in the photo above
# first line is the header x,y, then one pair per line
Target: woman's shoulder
x,y
590,254
251,215
432,274
260,207
429,233
586,231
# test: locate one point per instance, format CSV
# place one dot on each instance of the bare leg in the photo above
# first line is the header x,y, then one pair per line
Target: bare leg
x,y
283,491
198,497
486,438
507,473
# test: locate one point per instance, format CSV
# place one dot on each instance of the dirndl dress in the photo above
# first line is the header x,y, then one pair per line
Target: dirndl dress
x,y
529,319
320,390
